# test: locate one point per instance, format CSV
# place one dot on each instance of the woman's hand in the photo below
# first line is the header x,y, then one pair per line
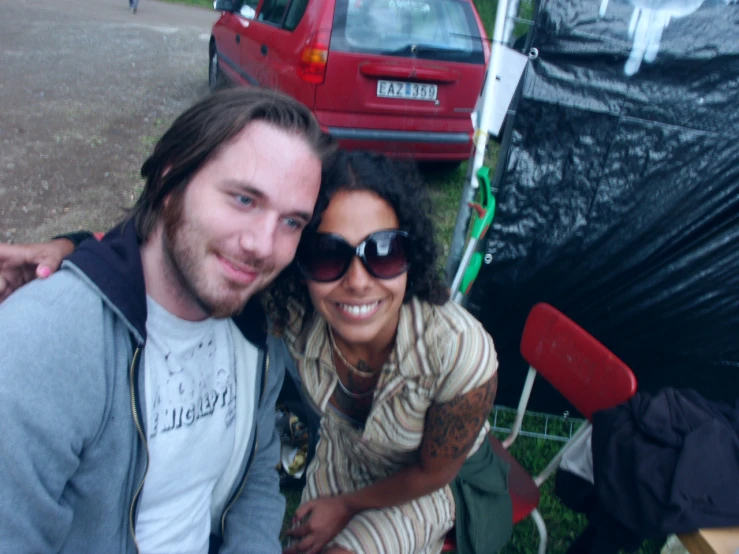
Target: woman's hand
x,y
21,263
322,519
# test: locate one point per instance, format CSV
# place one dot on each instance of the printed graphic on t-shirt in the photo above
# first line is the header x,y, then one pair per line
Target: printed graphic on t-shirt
x,y
193,389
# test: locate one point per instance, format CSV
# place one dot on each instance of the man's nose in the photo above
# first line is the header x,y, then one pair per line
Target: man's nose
x,y
258,239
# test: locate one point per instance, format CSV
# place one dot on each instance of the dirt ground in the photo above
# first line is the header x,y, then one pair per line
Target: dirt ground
x,y
86,87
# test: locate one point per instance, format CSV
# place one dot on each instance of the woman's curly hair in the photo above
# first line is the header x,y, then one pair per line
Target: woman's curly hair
x,y
400,185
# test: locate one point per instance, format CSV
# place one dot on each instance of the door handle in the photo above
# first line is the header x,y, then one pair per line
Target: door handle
x,y
264,49
238,39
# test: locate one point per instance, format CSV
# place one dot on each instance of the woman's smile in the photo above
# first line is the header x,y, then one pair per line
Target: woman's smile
x,y
359,311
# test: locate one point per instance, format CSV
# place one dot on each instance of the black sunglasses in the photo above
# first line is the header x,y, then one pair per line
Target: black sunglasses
x,y
325,257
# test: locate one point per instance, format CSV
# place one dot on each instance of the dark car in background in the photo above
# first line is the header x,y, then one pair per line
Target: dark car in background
x,y
395,76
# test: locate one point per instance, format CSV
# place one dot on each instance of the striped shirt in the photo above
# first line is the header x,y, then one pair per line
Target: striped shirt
x,y
441,352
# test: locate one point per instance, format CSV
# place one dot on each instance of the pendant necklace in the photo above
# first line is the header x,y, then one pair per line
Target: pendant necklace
x,y
355,370
350,367
345,390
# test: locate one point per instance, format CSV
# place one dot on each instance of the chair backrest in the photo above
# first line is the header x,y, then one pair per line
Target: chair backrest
x,y
584,371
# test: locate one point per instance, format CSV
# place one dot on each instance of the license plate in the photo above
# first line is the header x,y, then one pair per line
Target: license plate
x,y
406,91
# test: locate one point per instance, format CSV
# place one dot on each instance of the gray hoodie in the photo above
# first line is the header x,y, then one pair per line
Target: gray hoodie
x,y
72,451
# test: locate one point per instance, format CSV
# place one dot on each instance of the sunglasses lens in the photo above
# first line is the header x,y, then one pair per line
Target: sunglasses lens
x,y
324,258
387,254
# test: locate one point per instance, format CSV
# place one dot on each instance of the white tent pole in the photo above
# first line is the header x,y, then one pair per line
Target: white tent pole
x,y
501,35
489,90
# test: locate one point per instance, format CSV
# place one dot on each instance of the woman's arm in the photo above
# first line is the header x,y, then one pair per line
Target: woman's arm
x,y
450,432
21,263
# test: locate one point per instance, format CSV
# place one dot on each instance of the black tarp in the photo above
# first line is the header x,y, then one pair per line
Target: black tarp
x,y
618,193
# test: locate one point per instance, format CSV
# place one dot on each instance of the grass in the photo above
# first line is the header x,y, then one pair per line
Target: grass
x,y
486,9
445,188
202,3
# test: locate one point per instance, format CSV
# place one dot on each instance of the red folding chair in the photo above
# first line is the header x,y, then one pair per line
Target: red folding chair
x,y
584,371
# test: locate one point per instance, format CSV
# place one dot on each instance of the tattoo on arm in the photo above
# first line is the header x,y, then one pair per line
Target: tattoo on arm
x,y
452,428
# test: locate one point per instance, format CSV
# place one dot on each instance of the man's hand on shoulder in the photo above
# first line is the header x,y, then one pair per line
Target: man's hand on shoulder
x,y
21,263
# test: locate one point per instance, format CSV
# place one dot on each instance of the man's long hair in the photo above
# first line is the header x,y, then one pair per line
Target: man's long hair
x,y
199,133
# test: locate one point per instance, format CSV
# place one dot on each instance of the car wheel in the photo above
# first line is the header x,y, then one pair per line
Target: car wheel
x,y
215,77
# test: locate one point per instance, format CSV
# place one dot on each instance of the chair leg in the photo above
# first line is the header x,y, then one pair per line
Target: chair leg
x,y
542,528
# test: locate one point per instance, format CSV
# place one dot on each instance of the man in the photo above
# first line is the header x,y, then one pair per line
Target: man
x,y
136,392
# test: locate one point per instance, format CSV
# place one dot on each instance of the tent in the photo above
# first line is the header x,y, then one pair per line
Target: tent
x,y
618,192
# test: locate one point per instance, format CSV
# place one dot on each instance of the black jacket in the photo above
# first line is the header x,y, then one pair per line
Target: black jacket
x,y
668,463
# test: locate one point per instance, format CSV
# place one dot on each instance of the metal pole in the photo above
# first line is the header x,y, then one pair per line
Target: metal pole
x,y
458,296
461,226
501,36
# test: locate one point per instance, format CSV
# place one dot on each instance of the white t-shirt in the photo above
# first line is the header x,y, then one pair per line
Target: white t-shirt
x,y
190,395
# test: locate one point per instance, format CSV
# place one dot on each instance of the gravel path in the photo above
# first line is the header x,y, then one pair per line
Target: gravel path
x,y
86,87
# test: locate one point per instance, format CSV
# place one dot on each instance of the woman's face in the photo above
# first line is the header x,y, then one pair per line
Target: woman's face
x,y
361,309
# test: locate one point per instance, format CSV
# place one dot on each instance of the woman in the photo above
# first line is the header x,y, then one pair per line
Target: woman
x,y
404,379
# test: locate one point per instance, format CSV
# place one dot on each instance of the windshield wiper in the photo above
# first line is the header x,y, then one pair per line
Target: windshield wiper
x,y
425,49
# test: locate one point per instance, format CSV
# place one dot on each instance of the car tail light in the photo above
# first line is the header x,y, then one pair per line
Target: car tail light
x,y
314,57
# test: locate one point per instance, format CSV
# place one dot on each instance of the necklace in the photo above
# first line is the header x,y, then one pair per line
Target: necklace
x,y
345,390
355,370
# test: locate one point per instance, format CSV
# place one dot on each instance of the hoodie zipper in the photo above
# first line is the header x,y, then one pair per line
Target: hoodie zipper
x,y
251,456
142,436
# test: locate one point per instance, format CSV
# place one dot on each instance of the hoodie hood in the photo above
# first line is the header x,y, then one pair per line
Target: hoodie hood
x,y
113,265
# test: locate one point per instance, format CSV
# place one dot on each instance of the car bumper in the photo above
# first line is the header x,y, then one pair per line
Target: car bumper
x,y
420,145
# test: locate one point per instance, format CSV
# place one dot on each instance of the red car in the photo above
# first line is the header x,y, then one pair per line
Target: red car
x,y
394,76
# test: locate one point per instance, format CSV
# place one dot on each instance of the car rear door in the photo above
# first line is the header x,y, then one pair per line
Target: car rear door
x,y
257,49
229,33
287,48
413,65
225,33
281,36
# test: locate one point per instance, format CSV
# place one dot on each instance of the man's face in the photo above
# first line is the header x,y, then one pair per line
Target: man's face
x,y
238,222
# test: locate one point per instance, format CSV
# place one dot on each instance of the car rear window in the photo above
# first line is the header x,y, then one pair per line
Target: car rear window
x,y
427,29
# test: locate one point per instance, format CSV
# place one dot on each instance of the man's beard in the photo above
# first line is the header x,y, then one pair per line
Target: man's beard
x,y
185,247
